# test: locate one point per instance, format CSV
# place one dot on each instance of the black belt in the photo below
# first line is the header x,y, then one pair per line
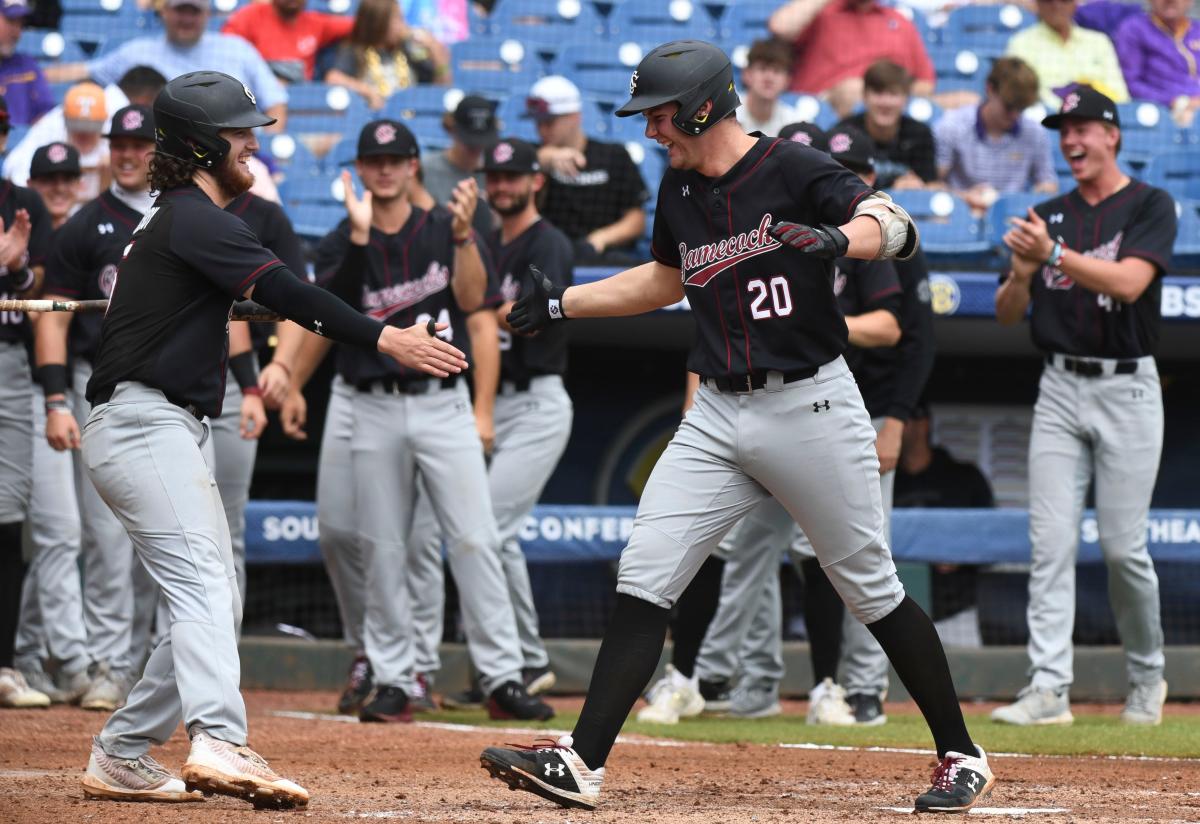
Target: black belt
x,y
755,380
1091,368
105,395
396,385
523,384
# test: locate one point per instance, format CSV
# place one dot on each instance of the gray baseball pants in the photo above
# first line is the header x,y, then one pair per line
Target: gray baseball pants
x,y
808,443
16,433
233,468
1107,428
397,436
143,454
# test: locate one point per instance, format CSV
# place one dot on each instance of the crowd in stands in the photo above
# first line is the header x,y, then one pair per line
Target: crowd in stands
x,y
949,93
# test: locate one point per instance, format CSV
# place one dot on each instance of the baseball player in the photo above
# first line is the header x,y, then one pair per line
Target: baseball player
x,y
55,174
70,517
889,320
420,265
1090,262
747,228
158,377
24,239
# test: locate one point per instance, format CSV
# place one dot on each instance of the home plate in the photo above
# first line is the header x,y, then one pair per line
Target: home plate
x,y
1013,812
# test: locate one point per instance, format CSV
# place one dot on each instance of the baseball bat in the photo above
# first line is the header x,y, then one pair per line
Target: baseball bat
x,y
242,310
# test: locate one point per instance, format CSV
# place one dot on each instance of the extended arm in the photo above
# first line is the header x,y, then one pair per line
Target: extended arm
x,y
469,280
791,19
485,371
872,329
627,228
50,351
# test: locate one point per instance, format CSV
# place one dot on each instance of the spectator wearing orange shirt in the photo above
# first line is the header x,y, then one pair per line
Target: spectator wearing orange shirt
x,y
287,35
837,40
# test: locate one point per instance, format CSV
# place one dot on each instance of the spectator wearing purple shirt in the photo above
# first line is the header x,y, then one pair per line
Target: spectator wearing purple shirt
x,y
1159,52
21,80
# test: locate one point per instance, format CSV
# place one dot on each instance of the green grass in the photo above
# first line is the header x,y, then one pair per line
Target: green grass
x,y
1179,736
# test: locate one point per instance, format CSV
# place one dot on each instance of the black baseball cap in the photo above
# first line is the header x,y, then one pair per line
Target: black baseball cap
x,y
807,134
511,155
134,121
853,148
474,121
1084,103
387,137
55,159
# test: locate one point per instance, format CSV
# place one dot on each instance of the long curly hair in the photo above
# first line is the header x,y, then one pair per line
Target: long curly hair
x,y
168,172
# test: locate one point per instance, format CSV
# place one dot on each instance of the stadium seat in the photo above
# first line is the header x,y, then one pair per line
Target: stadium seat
x,y
1008,206
948,229
313,202
1186,254
595,65
90,22
512,121
971,23
746,21
1146,130
421,108
550,22
929,35
924,110
319,108
288,156
661,21
49,47
494,65
957,68
811,109
610,87
1178,172
342,155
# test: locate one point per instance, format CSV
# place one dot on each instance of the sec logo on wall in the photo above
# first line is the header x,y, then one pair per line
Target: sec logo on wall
x,y
944,294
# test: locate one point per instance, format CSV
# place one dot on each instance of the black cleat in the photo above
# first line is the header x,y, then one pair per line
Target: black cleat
x,y
959,781
358,686
538,679
387,705
551,769
716,694
867,709
512,701
469,699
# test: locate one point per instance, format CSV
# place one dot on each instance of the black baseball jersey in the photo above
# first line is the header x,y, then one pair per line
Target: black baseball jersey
x,y
544,246
758,303
83,262
407,281
607,187
273,229
167,321
864,286
892,378
1138,221
13,325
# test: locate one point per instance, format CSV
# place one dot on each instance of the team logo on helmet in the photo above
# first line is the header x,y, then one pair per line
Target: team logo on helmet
x,y
502,153
249,94
57,153
132,121
839,143
1071,103
633,78
108,279
385,133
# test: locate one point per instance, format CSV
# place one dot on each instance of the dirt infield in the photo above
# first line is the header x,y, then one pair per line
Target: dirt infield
x,y
430,774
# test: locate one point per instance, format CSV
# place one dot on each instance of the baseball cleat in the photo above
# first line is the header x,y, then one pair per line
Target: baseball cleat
x,y
538,679
1036,706
867,709
16,693
827,706
107,690
672,697
1145,704
470,698
387,705
358,686
551,769
421,699
959,782
139,779
717,694
512,701
220,768
758,700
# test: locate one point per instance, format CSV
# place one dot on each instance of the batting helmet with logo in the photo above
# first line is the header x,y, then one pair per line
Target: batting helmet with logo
x,y
687,72
191,111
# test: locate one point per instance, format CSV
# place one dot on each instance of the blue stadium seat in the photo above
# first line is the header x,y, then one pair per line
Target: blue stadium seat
x,y
342,154
626,129
494,64
958,68
89,22
811,109
1186,253
1008,206
546,21
288,155
512,121
320,108
48,47
661,21
610,87
924,110
597,65
1178,172
969,23
929,35
312,202
1146,130
746,21
421,108
948,229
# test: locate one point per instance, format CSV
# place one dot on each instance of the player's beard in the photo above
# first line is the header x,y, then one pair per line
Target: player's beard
x,y
232,178
515,206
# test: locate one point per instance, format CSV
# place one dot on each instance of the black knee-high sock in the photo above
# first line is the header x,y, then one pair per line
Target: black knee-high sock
x,y
694,611
823,612
12,574
628,656
912,645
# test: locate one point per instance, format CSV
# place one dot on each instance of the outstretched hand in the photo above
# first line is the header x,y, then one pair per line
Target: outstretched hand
x,y
1030,238
819,241
419,347
534,311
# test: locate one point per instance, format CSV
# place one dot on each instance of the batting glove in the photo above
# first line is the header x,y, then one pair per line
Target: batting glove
x,y
819,241
534,311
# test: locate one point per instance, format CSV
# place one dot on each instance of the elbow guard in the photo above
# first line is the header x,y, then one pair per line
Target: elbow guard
x,y
898,233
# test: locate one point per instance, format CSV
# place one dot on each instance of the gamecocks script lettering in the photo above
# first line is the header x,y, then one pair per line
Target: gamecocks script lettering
x,y
702,264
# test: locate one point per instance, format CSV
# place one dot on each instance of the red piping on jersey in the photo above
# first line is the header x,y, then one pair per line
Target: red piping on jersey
x,y
387,270
737,284
1116,201
883,293
244,205
717,292
407,242
1078,245
252,275
104,205
853,203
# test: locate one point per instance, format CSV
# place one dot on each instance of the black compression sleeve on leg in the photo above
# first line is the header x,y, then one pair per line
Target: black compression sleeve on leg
x,y
823,611
316,310
12,575
628,656
912,645
694,611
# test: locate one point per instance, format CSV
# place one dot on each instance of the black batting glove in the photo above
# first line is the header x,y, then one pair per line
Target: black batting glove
x,y
534,311
819,241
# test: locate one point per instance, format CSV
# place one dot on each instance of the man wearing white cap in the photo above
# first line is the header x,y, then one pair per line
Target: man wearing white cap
x,y
594,193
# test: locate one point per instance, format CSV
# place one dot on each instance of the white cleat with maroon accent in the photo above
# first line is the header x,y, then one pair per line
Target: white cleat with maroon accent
x,y
141,779
216,766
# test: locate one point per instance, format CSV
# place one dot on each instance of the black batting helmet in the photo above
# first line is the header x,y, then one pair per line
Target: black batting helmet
x,y
192,109
687,72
